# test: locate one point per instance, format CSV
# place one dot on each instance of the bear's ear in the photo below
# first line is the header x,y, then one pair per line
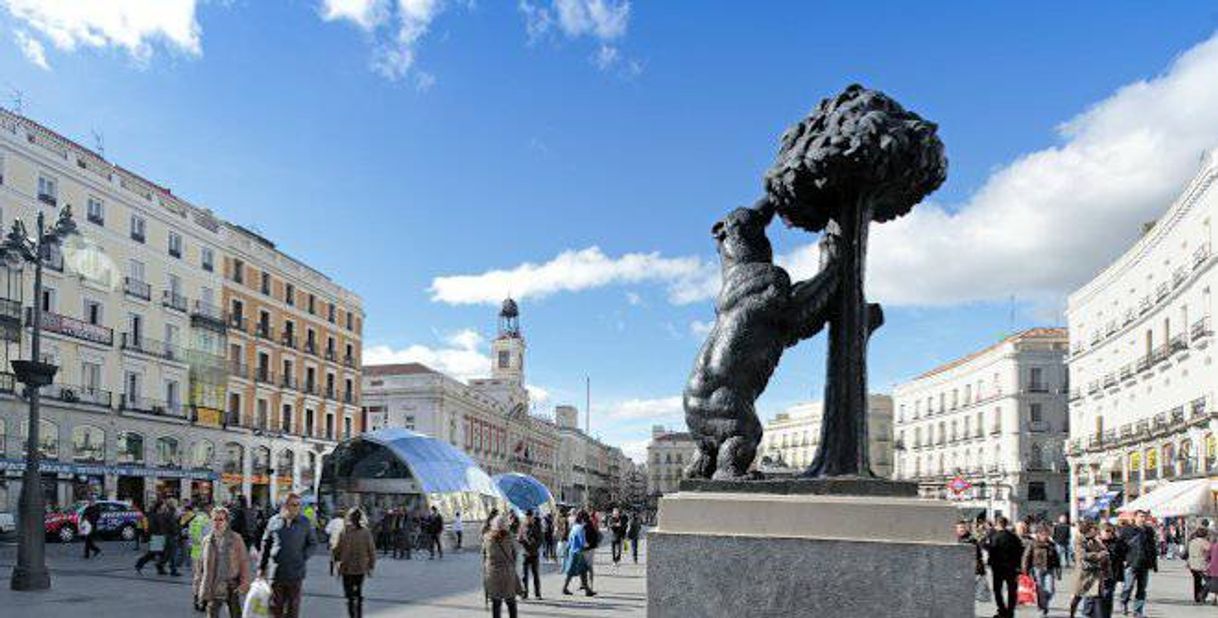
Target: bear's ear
x,y
717,230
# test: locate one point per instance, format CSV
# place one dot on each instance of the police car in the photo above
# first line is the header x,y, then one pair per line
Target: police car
x,y
115,520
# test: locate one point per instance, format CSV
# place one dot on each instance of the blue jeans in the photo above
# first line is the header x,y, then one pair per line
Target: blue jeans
x,y
1066,551
1135,583
1045,587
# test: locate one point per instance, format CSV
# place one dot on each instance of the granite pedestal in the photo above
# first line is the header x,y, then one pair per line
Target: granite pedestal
x,y
807,553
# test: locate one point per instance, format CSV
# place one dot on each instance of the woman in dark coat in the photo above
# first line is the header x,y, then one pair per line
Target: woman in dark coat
x,y
499,568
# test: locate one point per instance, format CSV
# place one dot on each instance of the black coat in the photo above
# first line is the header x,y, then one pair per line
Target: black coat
x,y
1118,550
1005,550
1143,552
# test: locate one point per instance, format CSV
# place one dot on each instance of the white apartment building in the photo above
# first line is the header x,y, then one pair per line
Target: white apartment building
x,y
132,318
667,455
589,470
996,419
489,418
791,438
1142,401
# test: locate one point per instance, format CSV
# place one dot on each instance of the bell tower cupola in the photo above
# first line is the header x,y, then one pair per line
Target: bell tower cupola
x,y
507,351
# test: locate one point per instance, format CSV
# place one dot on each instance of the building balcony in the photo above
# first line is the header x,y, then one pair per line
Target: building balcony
x,y
1201,328
1095,442
63,325
1161,291
173,300
238,369
288,381
1093,387
146,345
310,346
78,394
237,321
1075,394
1144,363
348,398
207,315
264,375
1127,372
995,431
1110,380
1038,426
263,330
1201,254
1038,388
288,338
349,361
1177,416
1198,408
330,393
48,199
138,289
136,403
330,354
10,311
1144,305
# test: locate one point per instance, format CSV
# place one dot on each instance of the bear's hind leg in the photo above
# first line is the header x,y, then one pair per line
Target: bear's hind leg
x,y
735,456
703,465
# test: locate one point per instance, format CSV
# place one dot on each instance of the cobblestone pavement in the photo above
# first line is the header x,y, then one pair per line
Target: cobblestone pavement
x,y
108,586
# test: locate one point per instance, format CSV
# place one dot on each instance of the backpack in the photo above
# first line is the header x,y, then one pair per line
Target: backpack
x,y
592,535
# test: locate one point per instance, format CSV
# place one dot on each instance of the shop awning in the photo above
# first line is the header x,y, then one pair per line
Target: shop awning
x,y
1177,499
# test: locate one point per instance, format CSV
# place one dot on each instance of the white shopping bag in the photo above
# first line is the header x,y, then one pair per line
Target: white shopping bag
x,y
258,601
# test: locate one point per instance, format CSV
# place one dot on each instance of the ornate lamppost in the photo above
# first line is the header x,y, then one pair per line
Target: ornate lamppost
x,y
31,572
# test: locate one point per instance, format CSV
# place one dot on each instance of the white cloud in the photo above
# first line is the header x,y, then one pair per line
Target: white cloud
x,y
32,49
700,328
367,14
538,396
634,299
131,25
574,271
642,409
461,355
1047,222
606,56
636,450
603,19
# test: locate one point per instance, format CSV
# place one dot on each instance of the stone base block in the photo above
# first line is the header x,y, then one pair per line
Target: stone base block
x,y
743,555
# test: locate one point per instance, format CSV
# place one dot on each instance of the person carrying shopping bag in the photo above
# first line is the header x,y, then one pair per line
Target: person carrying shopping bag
x,y
1042,562
499,568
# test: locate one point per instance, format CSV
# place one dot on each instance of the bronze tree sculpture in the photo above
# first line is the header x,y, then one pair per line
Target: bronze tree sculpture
x,y
859,157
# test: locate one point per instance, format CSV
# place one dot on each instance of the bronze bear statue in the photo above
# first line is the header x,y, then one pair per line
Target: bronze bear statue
x,y
759,313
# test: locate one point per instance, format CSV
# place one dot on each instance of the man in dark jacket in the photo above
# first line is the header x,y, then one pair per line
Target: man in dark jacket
x,y
238,518
172,529
1061,538
435,529
1142,557
633,529
286,545
617,526
530,540
91,514
1006,552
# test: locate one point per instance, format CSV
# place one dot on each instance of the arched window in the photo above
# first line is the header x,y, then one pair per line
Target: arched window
x,y
262,460
1169,460
167,453
233,454
88,444
308,470
201,454
130,448
286,462
1187,463
48,438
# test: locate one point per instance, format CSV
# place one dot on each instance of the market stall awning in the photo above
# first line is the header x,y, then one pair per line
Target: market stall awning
x,y
1177,499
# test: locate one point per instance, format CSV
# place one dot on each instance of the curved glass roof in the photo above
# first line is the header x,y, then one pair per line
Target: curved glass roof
x,y
436,465
523,491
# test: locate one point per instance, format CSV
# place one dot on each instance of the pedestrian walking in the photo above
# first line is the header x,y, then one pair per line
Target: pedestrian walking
x,y
633,530
529,538
575,562
458,529
499,568
1061,538
141,525
405,523
562,529
1005,550
224,567
1042,562
981,589
1141,559
355,555
171,525
197,529
592,537
156,540
1093,573
334,530
617,528
285,549
435,529
1211,573
547,536
1198,553
88,528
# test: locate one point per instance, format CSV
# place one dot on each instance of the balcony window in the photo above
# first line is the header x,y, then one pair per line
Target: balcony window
x,y
175,244
238,271
96,211
266,283
208,259
138,228
289,294
48,190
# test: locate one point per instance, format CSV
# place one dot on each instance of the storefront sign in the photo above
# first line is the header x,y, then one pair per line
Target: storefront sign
x,y
18,465
209,417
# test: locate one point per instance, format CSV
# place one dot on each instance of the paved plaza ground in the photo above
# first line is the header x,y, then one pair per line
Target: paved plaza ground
x,y
108,586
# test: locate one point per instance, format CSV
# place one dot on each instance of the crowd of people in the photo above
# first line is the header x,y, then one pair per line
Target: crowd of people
x,y
1104,556
512,550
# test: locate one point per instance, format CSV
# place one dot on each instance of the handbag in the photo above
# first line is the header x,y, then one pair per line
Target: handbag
x,y
86,528
1027,590
156,543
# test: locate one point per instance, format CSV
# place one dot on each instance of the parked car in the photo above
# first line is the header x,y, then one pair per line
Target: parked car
x,y
7,523
116,520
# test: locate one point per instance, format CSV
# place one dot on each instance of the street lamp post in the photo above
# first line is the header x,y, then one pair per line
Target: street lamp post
x,y
31,572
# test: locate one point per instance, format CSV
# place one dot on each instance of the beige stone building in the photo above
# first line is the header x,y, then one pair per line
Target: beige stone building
x,y
792,437
667,455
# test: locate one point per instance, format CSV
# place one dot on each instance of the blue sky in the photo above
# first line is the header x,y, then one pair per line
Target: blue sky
x,y
426,153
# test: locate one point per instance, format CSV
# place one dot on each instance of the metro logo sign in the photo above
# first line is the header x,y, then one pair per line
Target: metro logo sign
x,y
958,485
